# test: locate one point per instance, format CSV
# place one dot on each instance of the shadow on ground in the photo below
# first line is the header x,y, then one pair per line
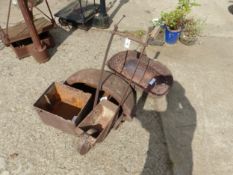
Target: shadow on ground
x,y
171,134
59,36
115,11
230,9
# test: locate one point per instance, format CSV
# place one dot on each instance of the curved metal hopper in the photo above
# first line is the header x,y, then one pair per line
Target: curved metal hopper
x,y
152,76
112,85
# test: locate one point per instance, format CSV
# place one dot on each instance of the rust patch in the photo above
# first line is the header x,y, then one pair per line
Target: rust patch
x,y
112,85
151,76
96,126
21,31
62,107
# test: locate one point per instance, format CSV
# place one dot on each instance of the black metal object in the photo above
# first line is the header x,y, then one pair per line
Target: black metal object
x,y
76,13
102,20
81,13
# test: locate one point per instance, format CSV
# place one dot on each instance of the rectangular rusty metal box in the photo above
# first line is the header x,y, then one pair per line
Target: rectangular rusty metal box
x,y
25,47
100,119
63,107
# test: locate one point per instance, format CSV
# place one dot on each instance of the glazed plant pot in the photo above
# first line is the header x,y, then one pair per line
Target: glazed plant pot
x,y
187,40
171,36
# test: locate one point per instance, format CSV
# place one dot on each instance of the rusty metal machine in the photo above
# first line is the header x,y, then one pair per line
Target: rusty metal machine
x,y
82,14
91,102
31,36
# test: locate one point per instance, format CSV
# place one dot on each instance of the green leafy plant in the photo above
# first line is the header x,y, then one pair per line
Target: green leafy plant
x,y
136,33
175,18
186,5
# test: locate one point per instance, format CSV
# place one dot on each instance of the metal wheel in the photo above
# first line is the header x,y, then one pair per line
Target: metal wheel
x,y
63,22
119,121
84,146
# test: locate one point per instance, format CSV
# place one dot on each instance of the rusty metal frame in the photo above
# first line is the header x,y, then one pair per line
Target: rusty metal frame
x,y
38,48
119,89
111,84
117,120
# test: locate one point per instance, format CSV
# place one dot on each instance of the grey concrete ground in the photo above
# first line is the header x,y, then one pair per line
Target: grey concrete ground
x,y
192,137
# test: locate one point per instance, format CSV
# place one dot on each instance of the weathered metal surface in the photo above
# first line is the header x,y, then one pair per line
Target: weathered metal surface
x,y
20,31
112,84
104,64
30,29
28,18
151,76
96,126
24,48
4,37
63,107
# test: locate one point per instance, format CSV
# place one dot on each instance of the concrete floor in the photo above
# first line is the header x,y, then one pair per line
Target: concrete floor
x,y
192,137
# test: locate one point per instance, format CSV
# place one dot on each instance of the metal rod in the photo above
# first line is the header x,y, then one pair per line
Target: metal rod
x,y
31,27
2,34
43,13
102,68
123,16
53,21
104,61
130,81
131,38
125,96
8,16
82,11
148,36
4,37
103,10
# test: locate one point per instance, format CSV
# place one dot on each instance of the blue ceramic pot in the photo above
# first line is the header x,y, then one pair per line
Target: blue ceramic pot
x,y
171,36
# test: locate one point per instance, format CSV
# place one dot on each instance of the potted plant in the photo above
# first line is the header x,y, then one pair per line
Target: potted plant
x,y
191,30
172,21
